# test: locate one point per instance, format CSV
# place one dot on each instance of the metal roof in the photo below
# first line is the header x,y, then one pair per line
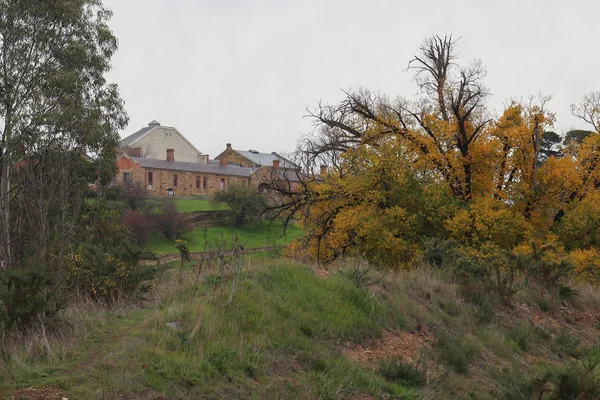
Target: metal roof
x,y
194,167
137,136
261,159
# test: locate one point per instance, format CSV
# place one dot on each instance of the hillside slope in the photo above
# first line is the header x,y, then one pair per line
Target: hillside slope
x,y
292,332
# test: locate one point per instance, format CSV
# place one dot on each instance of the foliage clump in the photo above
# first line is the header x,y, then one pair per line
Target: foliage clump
x,y
246,204
441,168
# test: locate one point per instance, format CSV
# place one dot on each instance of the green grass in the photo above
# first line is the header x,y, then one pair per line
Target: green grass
x,y
278,339
201,239
187,205
192,205
285,334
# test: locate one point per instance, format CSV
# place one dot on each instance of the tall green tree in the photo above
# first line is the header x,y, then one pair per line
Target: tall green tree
x,y
56,109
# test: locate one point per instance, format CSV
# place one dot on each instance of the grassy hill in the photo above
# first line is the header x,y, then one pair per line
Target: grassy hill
x,y
290,331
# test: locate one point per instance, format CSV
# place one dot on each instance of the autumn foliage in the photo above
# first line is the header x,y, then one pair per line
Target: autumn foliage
x,y
443,166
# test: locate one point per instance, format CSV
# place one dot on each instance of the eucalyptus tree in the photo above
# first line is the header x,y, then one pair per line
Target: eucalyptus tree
x,y
56,109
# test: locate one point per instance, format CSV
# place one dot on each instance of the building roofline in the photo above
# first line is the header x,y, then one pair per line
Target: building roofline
x,y
161,126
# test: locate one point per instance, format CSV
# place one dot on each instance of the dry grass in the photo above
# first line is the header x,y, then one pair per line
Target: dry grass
x,y
296,333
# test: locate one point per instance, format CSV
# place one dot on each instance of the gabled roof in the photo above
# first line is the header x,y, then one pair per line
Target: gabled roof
x,y
133,138
193,167
261,159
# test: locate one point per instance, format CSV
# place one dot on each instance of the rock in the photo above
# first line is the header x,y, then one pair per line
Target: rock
x,y
174,325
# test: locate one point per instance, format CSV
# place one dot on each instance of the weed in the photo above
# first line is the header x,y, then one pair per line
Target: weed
x,y
566,345
457,353
398,370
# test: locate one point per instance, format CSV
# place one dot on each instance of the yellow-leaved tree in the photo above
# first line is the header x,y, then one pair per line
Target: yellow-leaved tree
x,y
441,165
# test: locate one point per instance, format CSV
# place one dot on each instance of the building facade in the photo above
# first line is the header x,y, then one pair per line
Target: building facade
x,y
151,158
153,141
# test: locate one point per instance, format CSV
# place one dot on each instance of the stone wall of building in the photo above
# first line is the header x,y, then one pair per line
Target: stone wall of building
x,y
156,143
159,181
234,158
189,183
129,170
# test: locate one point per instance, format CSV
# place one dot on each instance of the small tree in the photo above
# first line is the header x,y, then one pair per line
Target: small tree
x,y
246,203
133,194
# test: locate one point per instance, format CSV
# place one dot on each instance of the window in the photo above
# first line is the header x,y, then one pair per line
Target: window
x,y
222,184
127,177
203,182
175,180
197,182
150,178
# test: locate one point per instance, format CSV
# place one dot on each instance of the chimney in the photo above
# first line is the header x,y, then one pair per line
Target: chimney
x,y
223,161
228,146
134,152
170,155
276,165
323,169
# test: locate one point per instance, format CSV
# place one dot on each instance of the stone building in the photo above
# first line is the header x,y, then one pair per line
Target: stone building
x,y
151,157
153,141
253,158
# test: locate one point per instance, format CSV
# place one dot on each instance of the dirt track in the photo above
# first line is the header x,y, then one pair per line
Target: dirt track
x,y
167,258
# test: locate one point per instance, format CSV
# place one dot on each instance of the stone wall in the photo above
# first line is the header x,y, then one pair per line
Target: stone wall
x,y
208,218
184,185
235,158
156,143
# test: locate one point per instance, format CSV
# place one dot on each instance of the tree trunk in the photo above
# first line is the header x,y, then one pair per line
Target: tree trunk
x,y
5,239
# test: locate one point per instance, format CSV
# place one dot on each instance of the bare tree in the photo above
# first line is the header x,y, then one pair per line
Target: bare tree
x,y
589,109
451,94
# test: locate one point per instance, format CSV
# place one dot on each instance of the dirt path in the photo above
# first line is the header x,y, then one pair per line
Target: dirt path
x,y
167,258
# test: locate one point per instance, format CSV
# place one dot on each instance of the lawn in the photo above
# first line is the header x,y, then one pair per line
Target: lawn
x,y
192,205
202,239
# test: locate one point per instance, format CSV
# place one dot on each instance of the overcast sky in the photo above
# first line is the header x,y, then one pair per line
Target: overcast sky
x,y
245,71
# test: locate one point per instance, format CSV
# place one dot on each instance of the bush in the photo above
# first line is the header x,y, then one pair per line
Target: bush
x,y
133,194
109,277
397,370
486,270
457,353
246,203
436,252
139,224
543,264
578,379
26,292
169,222
587,266
105,264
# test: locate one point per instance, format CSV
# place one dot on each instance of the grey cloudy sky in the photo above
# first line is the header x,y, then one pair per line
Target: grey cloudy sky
x,y
245,71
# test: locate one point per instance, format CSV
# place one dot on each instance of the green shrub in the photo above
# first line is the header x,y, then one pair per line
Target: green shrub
x,y
170,223
544,266
486,271
397,370
457,353
437,252
26,292
361,273
520,335
108,276
566,345
574,380
246,203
